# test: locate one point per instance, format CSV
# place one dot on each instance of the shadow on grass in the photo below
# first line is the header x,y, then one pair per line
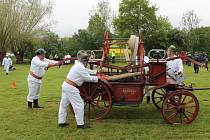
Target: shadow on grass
x,y
145,113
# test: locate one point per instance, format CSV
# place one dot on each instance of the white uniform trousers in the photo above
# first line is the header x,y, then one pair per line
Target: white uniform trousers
x,y
34,88
71,94
148,90
7,68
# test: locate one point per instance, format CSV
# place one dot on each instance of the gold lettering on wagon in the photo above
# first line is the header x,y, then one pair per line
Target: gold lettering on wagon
x,y
129,91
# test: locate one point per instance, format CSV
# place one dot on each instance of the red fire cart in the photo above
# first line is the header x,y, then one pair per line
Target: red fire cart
x,y
177,103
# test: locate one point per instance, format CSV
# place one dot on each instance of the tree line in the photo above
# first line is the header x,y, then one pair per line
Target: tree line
x,y
23,28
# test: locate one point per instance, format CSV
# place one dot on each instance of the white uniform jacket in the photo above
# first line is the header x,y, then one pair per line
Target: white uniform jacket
x,y
174,67
146,60
80,74
38,67
6,62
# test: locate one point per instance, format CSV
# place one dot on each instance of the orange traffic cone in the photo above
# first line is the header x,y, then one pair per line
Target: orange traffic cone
x,y
13,84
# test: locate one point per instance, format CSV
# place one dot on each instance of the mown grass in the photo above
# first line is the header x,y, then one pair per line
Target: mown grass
x,y
122,123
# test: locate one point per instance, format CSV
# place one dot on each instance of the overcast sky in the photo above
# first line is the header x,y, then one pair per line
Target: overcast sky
x,y
71,15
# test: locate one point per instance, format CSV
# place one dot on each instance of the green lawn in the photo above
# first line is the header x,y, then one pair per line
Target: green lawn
x,y
122,123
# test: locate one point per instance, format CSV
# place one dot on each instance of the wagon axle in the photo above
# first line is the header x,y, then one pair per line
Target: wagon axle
x,y
180,109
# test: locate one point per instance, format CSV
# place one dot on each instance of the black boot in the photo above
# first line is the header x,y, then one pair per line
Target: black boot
x,y
29,105
63,125
36,104
83,126
148,99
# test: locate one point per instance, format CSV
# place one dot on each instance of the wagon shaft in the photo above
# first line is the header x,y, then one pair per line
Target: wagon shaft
x,y
121,76
201,88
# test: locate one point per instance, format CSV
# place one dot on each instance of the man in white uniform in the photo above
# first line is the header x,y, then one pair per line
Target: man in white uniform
x,y
147,90
71,94
39,65
7,62
68,56
174,67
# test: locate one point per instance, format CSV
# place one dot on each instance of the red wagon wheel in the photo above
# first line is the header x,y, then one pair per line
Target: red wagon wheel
x,y
97,98
180,107
158,97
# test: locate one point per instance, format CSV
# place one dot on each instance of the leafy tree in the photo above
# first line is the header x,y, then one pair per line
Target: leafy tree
x,y
158,37
51,43
203,44
190,21
32,45
69,46
138,15
133,16
96,28
7,26
103,12
178,38
83,41
100,21
23,21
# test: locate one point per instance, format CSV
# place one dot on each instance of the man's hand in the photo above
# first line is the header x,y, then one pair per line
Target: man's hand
x,y
60,63
102,77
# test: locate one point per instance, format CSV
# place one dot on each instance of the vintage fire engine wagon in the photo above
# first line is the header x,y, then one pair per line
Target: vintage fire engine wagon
x,y
124,85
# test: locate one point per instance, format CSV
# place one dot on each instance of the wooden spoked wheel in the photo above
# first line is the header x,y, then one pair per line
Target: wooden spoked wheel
x,y
180,107
97,98
158,97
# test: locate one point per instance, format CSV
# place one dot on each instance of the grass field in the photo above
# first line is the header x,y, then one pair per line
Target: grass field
x,y
122,123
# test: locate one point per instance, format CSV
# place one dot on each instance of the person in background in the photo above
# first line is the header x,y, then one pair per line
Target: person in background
x,y
174,67
113,57
70,92
206,61
39,65
7,62
196,66
146,71
56,58
51,57
187,61
68,56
